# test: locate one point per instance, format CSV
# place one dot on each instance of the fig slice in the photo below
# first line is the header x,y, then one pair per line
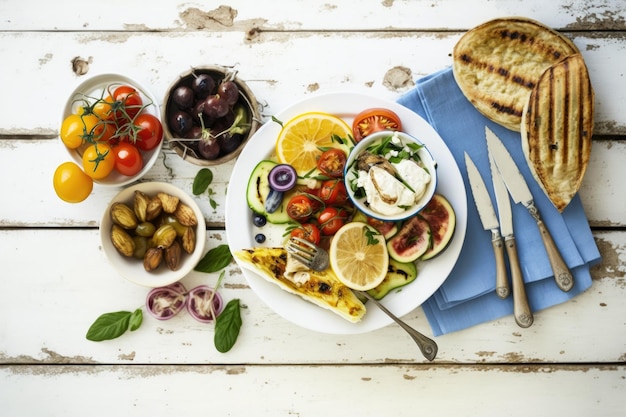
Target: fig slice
x,y
442,221
412,241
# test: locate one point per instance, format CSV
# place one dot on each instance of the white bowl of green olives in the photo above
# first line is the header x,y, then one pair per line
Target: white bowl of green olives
x,y
208,115
153,233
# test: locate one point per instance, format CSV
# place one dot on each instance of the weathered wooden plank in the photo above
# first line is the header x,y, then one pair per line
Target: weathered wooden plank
x,y
57,281
334,390
280,68
302,15
602,189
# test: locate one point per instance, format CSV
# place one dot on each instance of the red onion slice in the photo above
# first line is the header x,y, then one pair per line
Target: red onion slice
x,y
163,303
282,177
204,303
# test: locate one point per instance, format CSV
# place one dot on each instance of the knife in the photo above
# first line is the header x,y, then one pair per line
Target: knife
x,y
520,192
521,309
490,222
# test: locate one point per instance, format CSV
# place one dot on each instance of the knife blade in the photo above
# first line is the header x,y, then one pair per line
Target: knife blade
x,y
516,184
490,222
521,309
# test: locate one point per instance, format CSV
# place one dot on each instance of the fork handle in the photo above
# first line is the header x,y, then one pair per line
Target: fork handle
x,y
427,346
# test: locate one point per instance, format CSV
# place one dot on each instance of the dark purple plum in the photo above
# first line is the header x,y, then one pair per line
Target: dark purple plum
x,y
209,148
180,122
183,97
203,85
215,107
229,91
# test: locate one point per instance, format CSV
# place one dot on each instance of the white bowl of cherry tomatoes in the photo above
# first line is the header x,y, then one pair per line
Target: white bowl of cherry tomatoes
x,y
208,115
111,128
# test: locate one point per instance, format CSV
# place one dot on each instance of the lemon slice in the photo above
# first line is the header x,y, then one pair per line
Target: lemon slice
x,y
358,256
300,139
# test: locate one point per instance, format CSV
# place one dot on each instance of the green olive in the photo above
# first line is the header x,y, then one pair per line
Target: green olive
x,y
171,220
141,246
145,229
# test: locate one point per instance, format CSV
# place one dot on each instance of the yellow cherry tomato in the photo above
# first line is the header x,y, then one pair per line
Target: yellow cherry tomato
x,y
71,184
72,130
102,108
98,160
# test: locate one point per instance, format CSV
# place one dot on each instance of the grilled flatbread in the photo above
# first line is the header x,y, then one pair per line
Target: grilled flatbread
x,y
557,125
321,288
498,63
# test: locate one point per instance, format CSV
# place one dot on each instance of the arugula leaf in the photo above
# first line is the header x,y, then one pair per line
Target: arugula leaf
x,y
227,326
371,235
201,182
109,326
215,259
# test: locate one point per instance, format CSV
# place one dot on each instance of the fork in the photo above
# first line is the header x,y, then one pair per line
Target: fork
x,y
427,346
308,253
317,259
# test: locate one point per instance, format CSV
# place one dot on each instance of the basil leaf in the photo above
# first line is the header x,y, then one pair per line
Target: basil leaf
x,y
201,182
109,326
215,259
227,326
136,319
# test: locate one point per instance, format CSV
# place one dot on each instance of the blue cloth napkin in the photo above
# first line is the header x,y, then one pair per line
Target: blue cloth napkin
x,y
468,296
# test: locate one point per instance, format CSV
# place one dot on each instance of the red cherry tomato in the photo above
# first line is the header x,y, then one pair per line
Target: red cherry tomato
x,y
373,120
300,207
332,162
331,219
128,159
307,231
149,132
128,102
333,192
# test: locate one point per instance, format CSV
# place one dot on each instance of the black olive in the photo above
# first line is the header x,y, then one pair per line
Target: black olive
x,y
259,238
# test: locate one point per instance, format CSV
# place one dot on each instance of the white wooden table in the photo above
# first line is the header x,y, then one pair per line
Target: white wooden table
x,y
55,279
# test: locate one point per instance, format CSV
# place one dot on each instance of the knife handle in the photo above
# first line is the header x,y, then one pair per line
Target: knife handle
x,y
502,283
521,308
562,274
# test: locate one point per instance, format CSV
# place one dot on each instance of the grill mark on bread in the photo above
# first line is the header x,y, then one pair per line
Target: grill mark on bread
x,y
557,127
498,64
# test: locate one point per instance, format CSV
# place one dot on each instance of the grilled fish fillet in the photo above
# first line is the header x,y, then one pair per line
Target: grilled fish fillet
x,y
557,126
498,63
321,288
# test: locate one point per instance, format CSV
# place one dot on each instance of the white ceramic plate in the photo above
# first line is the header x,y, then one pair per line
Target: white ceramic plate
x,y
240,230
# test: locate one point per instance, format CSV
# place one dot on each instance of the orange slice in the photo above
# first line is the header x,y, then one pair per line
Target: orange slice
x,y
358,256
300,139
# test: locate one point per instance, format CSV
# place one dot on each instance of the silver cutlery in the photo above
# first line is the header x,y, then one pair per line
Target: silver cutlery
x,y
488,218
308,253
427,346
317,259
521,309
519,191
